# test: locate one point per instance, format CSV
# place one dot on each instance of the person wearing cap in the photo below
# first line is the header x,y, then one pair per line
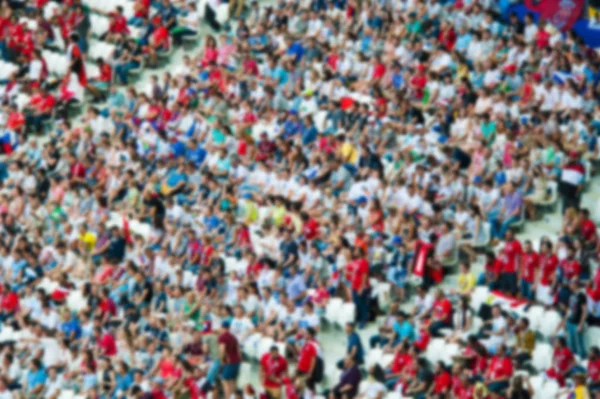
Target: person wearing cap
x,y
273,369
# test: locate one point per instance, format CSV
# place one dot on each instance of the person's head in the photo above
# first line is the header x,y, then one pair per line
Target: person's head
x,y
509,235
560,342
527,246
465,267
496,311
349,328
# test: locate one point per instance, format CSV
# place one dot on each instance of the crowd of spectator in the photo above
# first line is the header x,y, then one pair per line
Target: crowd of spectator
x,y
315,164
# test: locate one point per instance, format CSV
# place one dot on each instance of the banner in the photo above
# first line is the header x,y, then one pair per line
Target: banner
x,y
561,13
569,14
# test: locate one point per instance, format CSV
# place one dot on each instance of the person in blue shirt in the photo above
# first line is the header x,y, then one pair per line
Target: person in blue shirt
x,y
403,329
295,286
176,180
195,152
295,49
36,377
309,131
70,326
355,348
292,125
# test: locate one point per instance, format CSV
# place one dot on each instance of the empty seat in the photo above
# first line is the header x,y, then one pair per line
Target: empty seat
x,y
542,357
549,322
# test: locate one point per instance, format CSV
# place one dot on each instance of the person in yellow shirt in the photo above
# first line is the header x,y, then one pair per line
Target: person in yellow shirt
x,y
87,239
347,150
466,279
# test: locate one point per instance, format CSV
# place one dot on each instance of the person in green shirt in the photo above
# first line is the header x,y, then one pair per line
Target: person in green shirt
x,y
413,27
488,130
191,307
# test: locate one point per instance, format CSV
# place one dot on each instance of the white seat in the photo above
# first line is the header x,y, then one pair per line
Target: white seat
x,y
222,13
99,24
264,346
347,314
549,389
536,382
479,297
549,323
373,357
448,353
66,394
434,350
541,358
333,307
593,335
552,188
534,314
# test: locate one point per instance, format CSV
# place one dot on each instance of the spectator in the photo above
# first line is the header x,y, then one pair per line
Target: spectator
x,y
230,359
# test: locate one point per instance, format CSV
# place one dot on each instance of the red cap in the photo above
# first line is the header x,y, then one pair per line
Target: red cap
x,y
510,68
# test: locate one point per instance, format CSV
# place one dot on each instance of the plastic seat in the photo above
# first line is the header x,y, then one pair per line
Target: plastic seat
x,y
552,200
448,353
519,225
549,322
333,307
534,314
541,359
264,346
434,350
347,314
549,389
479,297
373,357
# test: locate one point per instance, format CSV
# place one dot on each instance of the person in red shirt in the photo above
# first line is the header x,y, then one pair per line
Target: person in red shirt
x,y
570,267
442,380
563,361
418,82
441,316
548,265
106,342
41,105
587,229
593,369
511,256
529,268
310,227
359,283
100,84
310,365
447,35
273,368
231,358
9,302
158,42
491,274
117,28
499,372
399,362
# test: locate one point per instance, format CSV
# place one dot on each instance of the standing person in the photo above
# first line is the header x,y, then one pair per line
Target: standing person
x,y
528,272
75,59
571,182
548,265
511,262
310,364
574,321
231,358
355,347
359,281
273,369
